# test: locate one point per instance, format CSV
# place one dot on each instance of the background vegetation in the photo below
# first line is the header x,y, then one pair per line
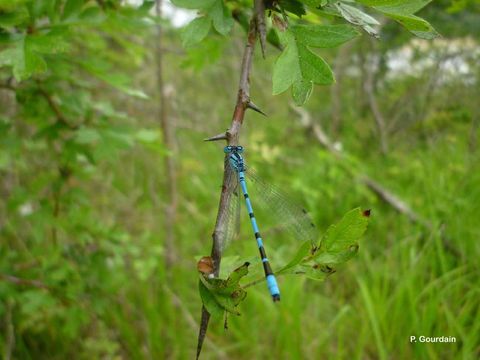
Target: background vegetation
x,y
86,271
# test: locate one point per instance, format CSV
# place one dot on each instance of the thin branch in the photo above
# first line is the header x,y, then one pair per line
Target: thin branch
x,y
232,134
20,281
169,140
56,109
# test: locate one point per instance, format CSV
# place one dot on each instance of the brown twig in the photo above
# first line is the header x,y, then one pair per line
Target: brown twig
x,y
232,136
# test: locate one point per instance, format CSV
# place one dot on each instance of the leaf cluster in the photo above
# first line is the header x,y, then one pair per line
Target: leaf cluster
x,y
299,25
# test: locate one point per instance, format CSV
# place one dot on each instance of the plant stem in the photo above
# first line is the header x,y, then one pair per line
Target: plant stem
x,y
232,136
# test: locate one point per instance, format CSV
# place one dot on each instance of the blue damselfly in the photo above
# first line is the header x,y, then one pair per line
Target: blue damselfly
x,y
289,215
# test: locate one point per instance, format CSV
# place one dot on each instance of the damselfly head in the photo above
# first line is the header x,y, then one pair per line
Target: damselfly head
x,y
233,149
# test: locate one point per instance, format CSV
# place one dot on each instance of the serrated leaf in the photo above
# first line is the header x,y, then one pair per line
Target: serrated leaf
x,y
346,232
237,275
196,31
224,294
298,66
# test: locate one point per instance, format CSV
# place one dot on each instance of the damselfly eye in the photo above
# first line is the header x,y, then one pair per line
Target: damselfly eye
x,y
240,149
227,149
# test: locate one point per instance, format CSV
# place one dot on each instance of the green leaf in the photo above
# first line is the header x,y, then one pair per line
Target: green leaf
x,y
301,91
51,43
237,275
402,12
221,17
23,59
313,67
216,13
223,294
345,233
196,31
209,300
293,6
417,26
87,136
286,69
324,36
72,8
405,7
298,66
357,17
316,272
301,253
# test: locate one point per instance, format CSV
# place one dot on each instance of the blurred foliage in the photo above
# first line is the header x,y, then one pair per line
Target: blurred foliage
x,y
82,271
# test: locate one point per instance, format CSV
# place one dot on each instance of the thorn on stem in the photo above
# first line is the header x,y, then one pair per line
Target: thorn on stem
x,y
251,105
222,136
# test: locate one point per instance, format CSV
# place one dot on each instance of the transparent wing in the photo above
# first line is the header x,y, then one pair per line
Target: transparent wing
x,y
287,213
231,228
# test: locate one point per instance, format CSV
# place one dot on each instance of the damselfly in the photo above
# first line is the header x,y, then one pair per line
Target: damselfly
x,y
289,215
